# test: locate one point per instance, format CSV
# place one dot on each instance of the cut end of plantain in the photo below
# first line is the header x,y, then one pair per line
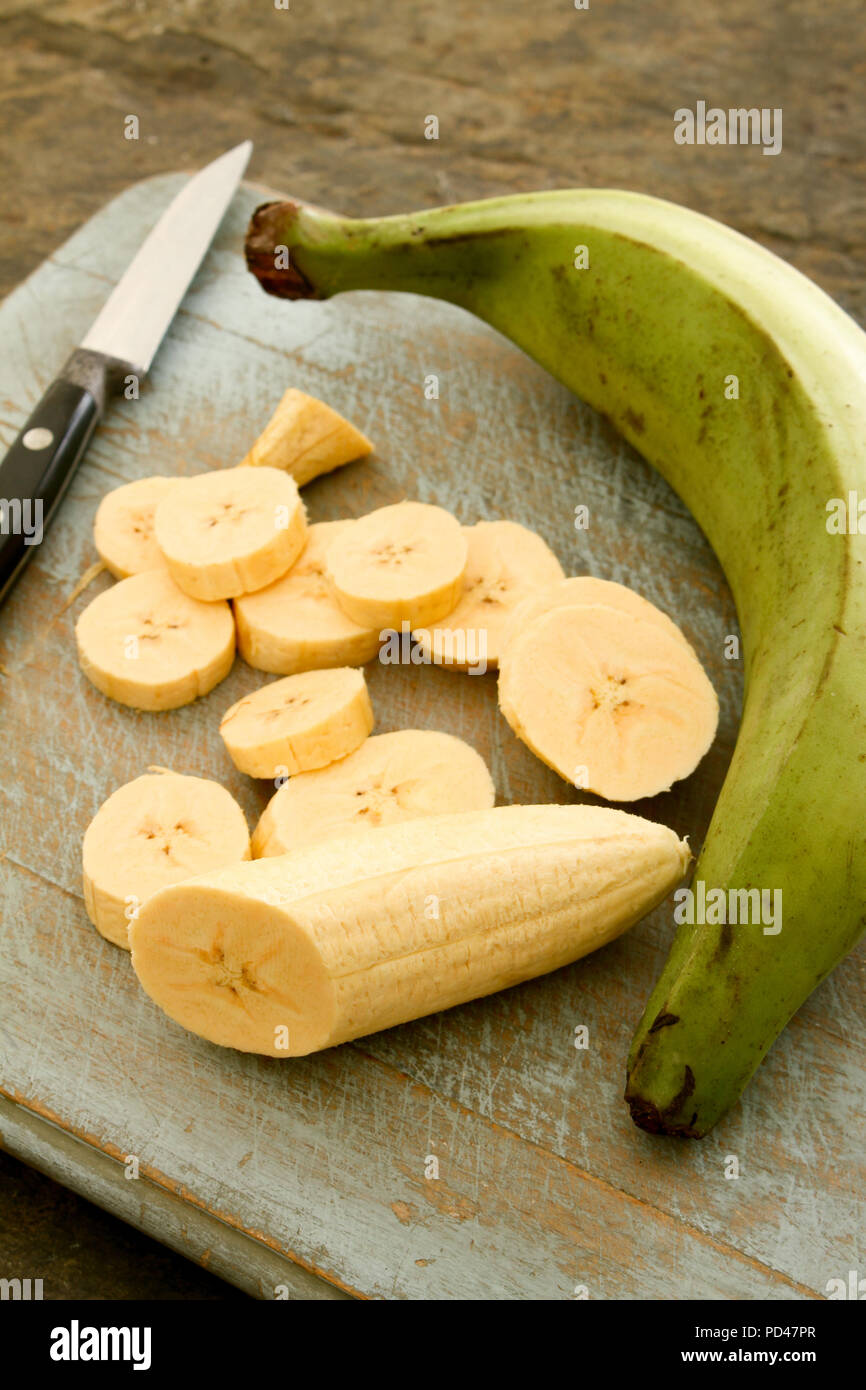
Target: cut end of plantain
x,y
306,437
152,832
237,970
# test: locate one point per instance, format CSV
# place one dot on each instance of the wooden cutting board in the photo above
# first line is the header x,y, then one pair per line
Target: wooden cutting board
x,y
315,1177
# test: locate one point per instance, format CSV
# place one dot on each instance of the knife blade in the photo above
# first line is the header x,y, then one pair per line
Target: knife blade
x,y
123,340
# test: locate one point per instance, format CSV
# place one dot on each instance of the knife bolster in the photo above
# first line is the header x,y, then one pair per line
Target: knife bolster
x,y
97,373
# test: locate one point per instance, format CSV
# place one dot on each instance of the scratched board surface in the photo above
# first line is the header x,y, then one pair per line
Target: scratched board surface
x,y
320,1165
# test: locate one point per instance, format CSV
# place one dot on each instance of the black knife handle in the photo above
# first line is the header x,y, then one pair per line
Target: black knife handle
x,y
39,466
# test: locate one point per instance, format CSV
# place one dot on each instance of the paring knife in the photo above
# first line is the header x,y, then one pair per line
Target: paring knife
x,y
122,342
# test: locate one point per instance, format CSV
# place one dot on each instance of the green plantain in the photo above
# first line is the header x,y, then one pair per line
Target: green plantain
x,y
651,322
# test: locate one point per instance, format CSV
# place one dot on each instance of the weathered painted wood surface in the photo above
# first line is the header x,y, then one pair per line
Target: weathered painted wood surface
x,y
318,1165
